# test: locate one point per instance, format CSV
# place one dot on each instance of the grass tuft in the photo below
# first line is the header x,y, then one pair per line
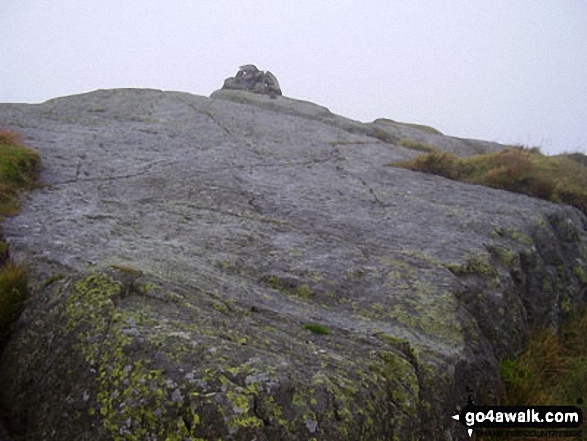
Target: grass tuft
x,y
19,170
13,293
517,169
437,163
10,138
316,328
127,270
415,145
553,368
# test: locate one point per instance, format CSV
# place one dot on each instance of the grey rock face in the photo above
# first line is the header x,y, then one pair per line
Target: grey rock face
x,y
384,130
182,245
253,80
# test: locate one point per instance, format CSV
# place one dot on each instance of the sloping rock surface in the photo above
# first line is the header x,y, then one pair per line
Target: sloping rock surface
x,y
240,267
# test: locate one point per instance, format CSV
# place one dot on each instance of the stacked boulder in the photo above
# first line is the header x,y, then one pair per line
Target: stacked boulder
x,y
254,80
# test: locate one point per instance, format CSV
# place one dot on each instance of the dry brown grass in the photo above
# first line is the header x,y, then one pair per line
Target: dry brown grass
x,y
10,138
526,171
552,371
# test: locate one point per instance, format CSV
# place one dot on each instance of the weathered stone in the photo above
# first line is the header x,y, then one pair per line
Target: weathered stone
x,y
252,79
185,249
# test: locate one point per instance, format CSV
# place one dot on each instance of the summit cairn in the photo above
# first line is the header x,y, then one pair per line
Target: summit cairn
x,y
254,80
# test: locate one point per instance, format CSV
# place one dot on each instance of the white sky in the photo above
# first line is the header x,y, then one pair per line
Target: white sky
x,y
512,71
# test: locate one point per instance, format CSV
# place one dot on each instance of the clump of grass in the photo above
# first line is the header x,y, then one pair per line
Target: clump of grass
x,y
19,169
476,264
10,138
438,163
3,251
553,368
304,291
520,170
13,293
52,279
288,287
316,328
382,135
415,145
128,270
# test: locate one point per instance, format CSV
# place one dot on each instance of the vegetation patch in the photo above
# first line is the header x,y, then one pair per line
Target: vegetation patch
x,y
437,163
552,370
316,328
415,145
527,171
288,286
127,270
134,401
579,272
475,264
52,279
382,135
19,170
13,293
577,157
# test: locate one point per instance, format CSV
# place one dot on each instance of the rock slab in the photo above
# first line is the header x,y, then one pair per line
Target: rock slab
x,y
244,268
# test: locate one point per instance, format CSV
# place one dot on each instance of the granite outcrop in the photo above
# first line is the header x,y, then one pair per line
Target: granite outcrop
x,y
240,267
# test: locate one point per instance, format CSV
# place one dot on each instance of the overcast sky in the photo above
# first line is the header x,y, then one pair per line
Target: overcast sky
x,y
512,71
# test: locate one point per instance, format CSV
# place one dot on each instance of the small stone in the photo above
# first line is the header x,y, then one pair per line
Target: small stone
x,y
311,425
176,396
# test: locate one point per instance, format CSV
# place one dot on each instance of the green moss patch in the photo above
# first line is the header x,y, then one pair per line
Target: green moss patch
x,y
475,264
316,328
